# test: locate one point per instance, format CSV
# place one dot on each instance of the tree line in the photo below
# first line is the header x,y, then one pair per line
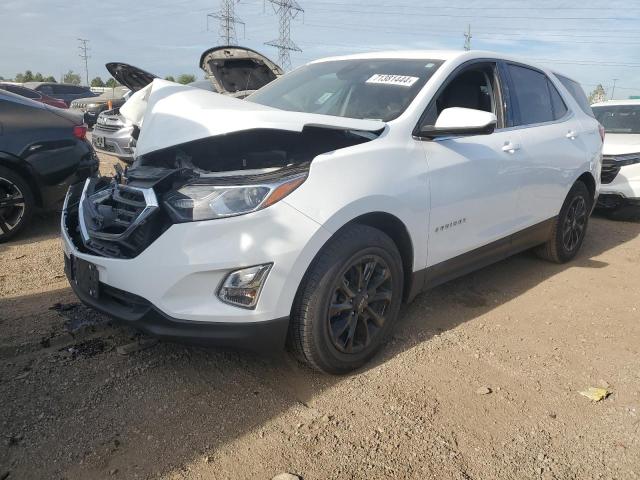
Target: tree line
x,y
75,79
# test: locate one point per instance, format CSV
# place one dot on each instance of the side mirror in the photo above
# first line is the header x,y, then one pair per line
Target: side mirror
x,y
460,121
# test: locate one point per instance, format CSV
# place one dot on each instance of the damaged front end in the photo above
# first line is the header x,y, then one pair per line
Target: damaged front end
x,y
206,179
214,157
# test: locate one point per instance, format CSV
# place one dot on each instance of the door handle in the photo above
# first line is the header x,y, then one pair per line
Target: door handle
x,y
571,135
510,147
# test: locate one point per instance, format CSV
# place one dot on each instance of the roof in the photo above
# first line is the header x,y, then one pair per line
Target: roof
x,y
427,55
614,103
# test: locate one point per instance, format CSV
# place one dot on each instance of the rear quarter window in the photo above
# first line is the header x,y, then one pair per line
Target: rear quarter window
x,y
577,93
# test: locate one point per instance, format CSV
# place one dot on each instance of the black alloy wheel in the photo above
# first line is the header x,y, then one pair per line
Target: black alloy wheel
x,y
360,301
575,224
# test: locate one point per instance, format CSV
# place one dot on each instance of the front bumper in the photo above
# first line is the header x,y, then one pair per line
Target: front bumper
x,y
114,142
625,185
170,288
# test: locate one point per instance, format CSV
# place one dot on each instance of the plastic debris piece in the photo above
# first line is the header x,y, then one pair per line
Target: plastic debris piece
x,y
595,394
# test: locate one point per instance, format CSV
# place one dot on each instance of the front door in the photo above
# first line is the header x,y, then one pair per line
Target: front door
x,y
473,180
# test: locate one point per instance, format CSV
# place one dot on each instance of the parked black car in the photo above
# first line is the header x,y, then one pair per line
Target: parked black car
x,y
62,91
43,150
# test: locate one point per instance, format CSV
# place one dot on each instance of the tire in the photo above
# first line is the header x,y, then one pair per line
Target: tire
x,y
335,328
574,219
14,216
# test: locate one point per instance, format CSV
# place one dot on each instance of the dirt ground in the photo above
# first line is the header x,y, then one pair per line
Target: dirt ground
x,y
534,333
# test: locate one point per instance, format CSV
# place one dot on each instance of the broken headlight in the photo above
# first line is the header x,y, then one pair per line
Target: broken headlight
x,y
195,202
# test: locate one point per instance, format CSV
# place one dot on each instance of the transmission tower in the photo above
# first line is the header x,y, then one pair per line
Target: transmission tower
x,y
287,10
227,22
84,55
467,38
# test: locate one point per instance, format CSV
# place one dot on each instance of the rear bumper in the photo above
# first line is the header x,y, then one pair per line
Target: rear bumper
x,y
138,313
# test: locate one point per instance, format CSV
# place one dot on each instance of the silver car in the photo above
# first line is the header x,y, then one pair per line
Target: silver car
x,y
233,71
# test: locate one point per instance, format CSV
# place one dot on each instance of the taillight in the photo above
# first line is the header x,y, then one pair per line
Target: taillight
x,y
601,129
80,132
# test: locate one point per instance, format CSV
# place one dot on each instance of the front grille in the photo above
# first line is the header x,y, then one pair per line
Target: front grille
x,y
610,169
107,128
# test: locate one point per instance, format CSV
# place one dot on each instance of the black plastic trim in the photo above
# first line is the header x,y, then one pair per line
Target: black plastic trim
x,y
443,272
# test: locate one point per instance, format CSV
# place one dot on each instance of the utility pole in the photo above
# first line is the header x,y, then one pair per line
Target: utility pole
x,y
287,10
84,55
227,22
613,89
467,38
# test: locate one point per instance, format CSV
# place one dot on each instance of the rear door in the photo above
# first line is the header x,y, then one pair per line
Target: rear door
x,y
553,143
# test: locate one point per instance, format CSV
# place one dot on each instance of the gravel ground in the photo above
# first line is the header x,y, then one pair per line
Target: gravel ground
x,y
481,380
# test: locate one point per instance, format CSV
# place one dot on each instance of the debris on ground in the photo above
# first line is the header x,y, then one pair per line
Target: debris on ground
x,y
133,347
63,307
287,476
595,394
483,391
87,349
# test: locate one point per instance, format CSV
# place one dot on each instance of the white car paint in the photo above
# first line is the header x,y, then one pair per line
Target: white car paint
x,y
627,182
452,194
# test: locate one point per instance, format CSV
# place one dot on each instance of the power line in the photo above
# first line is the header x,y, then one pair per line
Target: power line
x,y
452,15
286,10
227,19
84,55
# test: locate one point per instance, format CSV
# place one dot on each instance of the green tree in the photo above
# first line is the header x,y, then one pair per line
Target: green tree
x,y
28,76
111,83
598,95
38,77
186,78
70,77
50,79
97,82
170,78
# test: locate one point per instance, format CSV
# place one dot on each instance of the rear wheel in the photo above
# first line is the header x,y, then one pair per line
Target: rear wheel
x,y
570,227
16,204
347,301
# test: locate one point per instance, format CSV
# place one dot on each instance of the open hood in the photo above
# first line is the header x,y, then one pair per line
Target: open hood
x,y
176,114
129,76
238,71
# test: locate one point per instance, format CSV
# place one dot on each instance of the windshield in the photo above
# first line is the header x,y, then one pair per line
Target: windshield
x,y
378,89
619,118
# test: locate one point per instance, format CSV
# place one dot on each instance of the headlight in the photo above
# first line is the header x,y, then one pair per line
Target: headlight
x,y
193,203
93,105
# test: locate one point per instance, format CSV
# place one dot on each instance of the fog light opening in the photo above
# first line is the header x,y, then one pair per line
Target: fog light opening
x,y
242,287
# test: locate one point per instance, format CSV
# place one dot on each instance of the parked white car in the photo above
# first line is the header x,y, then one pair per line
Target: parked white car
x,y
310,210
621,153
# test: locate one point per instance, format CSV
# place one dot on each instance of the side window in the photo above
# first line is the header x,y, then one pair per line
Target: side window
x,y
474,87
46,89
557,103
577,93
531,94
25,92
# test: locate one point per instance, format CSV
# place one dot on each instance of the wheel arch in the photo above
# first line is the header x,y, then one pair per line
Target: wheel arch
x,y
590,183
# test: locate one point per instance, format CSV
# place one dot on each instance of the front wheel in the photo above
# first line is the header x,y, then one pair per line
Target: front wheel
x,y
570,227
347,301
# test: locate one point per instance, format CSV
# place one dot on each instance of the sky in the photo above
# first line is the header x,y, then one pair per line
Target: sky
x,y
595,42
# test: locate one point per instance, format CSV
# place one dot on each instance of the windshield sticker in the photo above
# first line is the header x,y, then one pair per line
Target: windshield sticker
x,y
399,80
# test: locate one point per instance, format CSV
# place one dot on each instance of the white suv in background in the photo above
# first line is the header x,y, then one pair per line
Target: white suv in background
x,y
310,210
621,154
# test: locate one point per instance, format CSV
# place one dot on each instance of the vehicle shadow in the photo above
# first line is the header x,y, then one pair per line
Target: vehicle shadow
x,y
43,226
83,410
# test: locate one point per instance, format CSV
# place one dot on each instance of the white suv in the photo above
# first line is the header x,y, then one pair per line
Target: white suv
x,y
621,160
312,209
